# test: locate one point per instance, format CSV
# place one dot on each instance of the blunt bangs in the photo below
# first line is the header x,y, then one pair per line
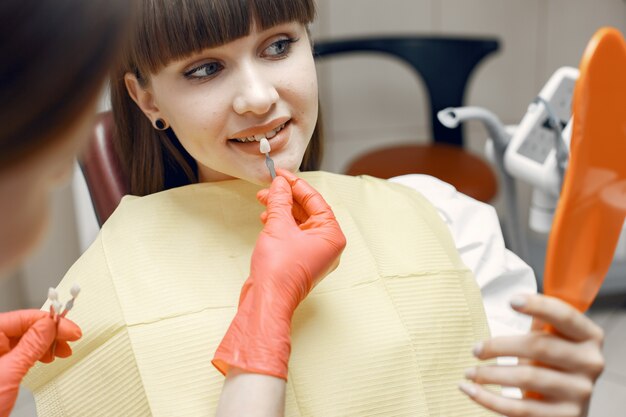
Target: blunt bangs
x,y
168,30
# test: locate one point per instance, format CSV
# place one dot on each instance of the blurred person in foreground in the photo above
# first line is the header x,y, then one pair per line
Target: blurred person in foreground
x,y
55,58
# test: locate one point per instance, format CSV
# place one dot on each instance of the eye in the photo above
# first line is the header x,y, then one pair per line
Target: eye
x,y
279,48
205,70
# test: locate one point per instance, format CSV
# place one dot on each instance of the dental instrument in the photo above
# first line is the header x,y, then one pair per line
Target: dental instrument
x,y
265,148
56,307
53,296
74,291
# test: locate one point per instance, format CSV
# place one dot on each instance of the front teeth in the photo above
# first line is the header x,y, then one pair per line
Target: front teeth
x,y
257,138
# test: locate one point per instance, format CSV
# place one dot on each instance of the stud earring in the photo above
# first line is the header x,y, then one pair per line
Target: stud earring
x,y
159,124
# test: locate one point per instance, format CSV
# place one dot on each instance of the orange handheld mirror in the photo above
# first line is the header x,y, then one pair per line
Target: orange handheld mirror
x,y
592,206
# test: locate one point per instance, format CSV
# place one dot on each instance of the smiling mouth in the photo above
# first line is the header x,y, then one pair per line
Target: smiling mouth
x,y
257,138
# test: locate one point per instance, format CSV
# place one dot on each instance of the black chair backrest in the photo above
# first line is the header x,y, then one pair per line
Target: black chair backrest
x,y
444,63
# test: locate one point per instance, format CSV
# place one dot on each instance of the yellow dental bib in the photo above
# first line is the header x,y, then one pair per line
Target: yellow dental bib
x,y
388,333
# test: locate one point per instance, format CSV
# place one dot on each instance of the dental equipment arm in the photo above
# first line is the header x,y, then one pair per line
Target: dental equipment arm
x,y
538,151
26,336
451,117
299,245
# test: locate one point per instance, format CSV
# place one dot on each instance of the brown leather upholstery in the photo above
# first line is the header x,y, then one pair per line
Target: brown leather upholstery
x,y
102,169
452,164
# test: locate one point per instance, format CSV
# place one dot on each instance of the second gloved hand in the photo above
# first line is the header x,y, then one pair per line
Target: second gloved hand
x,y
26,336
299,245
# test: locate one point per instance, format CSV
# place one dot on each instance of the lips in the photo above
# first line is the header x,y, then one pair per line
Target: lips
x,y
263,129
258,137
277,140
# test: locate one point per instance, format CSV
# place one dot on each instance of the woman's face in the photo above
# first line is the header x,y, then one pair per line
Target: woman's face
x,y
222,101
25,190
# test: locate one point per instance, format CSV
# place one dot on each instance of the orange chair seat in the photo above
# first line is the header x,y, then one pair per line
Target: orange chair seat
x,y
467,173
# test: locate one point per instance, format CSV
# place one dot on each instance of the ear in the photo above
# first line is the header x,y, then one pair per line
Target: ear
x,y
143,97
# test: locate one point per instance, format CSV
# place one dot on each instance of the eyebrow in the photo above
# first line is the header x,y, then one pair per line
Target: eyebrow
x,y
185,62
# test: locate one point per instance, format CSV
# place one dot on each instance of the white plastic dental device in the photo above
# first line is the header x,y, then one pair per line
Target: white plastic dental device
x,y
532,153
539,147
265,148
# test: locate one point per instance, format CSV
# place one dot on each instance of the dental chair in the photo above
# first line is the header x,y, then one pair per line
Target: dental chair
x,y
445,64
102,170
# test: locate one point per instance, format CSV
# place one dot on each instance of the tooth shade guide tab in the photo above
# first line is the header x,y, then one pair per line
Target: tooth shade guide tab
x,y
53,295
264,146
58,306
75,290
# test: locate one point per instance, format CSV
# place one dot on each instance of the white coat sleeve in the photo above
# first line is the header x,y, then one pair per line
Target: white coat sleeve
x,y
478,237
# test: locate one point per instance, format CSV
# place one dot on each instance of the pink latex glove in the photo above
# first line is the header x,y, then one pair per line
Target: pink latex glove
x,y
300,244
26,336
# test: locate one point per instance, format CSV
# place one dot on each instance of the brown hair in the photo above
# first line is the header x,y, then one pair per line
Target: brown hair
x,y
55,57
169,30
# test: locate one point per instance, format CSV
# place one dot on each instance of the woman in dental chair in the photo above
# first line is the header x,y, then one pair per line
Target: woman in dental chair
x,y
186,273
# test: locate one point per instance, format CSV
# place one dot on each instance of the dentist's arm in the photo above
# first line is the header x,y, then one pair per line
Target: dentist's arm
x,y
300,244
26,337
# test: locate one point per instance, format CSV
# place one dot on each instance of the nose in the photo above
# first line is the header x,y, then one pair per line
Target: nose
x,y
256,92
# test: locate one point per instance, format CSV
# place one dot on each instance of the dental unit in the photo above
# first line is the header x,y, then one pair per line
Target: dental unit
x,y
570,147
500,139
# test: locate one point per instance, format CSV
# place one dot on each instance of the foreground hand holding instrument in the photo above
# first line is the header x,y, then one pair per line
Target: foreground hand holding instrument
x,y
299,245
26,336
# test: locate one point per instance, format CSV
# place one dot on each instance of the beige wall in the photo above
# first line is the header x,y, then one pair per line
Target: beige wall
x,y
537,37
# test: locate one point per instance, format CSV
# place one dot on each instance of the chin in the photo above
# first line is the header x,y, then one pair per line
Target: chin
x,y
263,178
289,164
